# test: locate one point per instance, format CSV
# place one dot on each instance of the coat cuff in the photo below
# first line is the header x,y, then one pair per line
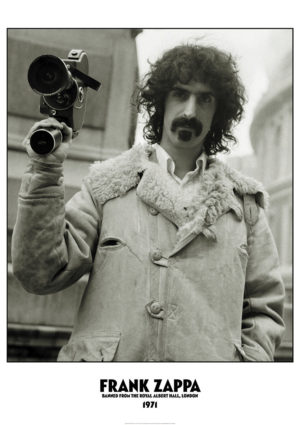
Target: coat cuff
x,y
42,178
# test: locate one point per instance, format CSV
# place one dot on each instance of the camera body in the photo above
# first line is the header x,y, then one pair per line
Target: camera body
x,y
62,85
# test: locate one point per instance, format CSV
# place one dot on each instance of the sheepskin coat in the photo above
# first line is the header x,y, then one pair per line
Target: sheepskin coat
x,y
172,277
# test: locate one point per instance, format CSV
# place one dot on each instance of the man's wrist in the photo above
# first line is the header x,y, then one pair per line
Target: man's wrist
x,y
41,167
42,176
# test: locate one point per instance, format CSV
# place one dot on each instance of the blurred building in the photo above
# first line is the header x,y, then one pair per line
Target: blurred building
x,y
272,138
39,325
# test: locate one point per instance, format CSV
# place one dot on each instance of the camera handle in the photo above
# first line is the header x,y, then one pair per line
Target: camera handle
x,y
86,79
44,141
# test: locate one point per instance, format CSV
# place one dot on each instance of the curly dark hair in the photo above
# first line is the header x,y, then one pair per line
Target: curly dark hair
x,y
200,63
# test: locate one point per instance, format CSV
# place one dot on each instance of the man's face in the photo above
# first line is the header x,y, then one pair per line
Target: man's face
x,y
189,111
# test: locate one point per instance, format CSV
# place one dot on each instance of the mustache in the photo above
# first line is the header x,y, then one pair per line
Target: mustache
x,y
191,123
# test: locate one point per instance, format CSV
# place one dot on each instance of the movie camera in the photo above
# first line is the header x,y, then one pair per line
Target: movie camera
x,y
62,85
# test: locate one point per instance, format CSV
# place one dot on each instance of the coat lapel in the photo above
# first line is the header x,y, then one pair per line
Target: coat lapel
x,y
191,214
216,194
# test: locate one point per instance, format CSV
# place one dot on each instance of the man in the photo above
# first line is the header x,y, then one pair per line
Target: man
x,y
182,263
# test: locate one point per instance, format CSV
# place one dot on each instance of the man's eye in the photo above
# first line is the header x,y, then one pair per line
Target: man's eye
x,y
180,94
206,98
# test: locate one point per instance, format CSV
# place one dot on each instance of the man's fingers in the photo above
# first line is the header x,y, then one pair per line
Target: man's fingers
x,y
50,123
67,131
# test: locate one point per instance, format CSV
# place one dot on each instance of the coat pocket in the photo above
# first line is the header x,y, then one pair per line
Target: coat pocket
x,y
95,347
111,243
250,354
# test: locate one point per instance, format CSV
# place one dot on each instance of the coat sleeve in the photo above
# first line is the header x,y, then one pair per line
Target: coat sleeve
x,y
262,323
52,245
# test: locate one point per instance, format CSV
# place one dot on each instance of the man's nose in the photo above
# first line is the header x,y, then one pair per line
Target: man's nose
x,y
190,107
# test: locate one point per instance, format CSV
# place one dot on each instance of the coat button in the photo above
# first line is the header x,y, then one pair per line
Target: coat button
x,y
155,307
153,211
156,254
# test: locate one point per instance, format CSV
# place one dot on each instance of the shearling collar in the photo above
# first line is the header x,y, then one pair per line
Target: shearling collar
x,y
217,193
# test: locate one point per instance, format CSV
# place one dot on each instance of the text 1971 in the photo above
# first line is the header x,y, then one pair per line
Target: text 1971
x,y
149,404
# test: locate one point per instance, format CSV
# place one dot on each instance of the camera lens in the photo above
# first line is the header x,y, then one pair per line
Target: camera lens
x,y
48,75
62,100
45,141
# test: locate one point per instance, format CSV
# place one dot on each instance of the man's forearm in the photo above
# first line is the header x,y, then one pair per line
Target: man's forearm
x,y
38,250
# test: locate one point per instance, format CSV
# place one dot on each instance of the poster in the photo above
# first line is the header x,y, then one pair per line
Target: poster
x,y
227,392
